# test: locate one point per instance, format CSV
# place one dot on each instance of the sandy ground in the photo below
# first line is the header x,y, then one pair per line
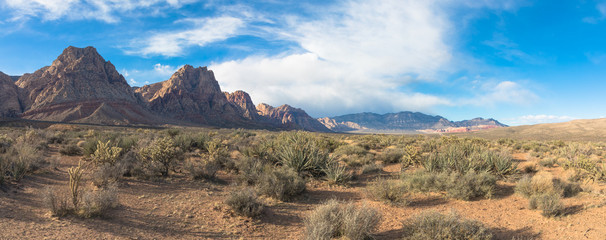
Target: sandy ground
x,y
179,208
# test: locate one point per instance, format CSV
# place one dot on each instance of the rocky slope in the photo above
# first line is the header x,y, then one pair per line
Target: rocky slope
x,y
78,85
293,118
192,95
404,121
10,106
244,104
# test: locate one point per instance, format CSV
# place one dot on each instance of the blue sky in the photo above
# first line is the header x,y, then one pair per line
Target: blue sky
x,y
521,62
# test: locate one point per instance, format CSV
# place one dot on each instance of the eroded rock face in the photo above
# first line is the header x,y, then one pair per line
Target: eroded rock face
x,y
245,105
333,125
294,118
9,98
193,95
75,86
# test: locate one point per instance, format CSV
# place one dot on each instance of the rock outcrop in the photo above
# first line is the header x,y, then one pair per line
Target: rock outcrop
x,y
76,85
333,125
244,103
192,95
10,107
293,118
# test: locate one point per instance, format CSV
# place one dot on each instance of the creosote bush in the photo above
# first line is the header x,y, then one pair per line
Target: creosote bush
x,y
543,183
245,203
335,219
391,155
202,168
433,225
390,191
460,186
281,183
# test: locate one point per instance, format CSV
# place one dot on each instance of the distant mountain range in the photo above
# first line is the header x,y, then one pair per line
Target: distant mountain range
x,y
81,87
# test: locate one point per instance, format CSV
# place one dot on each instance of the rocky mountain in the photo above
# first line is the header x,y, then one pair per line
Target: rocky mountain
x,y
293,118
192,95
80,86
244,103
404,121
15,78
10,106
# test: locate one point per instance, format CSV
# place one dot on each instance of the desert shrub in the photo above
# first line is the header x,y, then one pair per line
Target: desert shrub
x,y
298,150
390,191
97,203
218,152
432,225
460,186
545,184
192,141
160,155
371,168
357,160
5,143
22,158
70,150
105,153
350,150
463,157
586,167
334,219
281,183
245,203
337,173
263,150
411,156
56,201
390,155
549,204
3,169
548,162
250,170
202,168
376,142
172,132
106,174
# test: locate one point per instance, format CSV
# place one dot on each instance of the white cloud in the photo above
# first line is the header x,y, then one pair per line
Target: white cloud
x,y
132,81
601,10
541,118
102,10
165,70
507,92
353,58
205,31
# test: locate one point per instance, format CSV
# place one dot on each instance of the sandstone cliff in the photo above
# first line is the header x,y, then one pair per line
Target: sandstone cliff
x,y
192,95
10,106
245,105
294,118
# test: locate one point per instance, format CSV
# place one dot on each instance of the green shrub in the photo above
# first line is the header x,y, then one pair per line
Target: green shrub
x,y
160,155
549,204
245,203
192,141
299,151
281,183
432,225
357,160
334,219
390,191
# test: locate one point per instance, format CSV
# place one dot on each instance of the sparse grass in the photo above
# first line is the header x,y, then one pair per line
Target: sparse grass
x,y
334,219
432,225
390,191
245,203
337,173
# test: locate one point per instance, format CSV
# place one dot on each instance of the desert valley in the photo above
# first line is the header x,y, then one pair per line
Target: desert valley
x,y
84,155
